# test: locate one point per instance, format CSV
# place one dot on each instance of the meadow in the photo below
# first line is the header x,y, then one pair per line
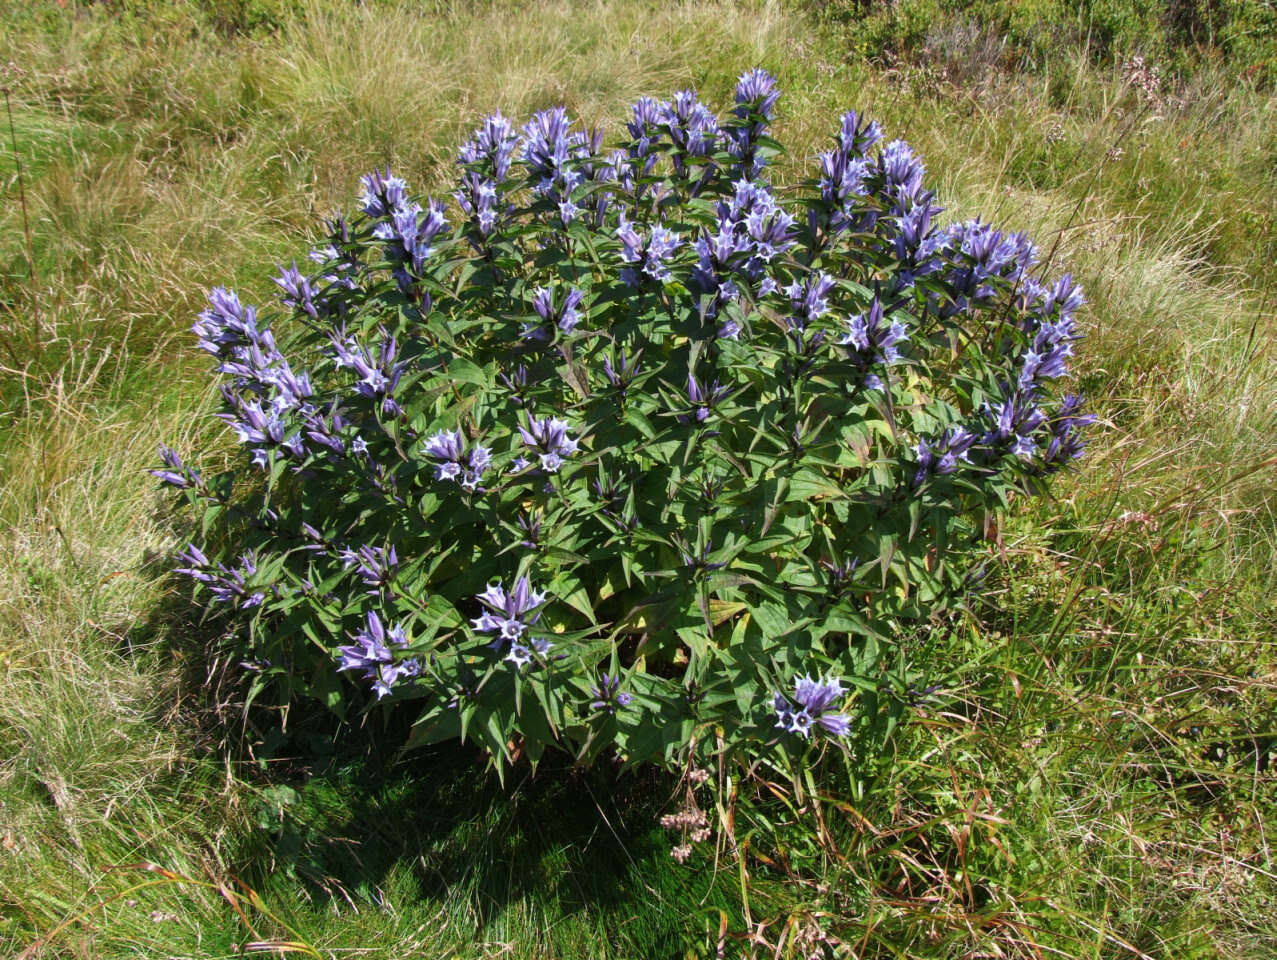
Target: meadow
x,y
1091,772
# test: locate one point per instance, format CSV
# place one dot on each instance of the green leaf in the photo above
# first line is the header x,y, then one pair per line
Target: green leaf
x,y
772,619
461,370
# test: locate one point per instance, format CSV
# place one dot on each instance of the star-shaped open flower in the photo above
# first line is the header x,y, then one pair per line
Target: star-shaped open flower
x,y
814,704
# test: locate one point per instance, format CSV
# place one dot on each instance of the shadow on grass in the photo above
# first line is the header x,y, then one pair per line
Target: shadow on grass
x,y
436,830
572,858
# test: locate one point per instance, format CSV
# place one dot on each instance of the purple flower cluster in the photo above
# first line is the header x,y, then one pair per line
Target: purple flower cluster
x,y
899,173
647,258
756,96
376,566
225,585
408,229
327,429
976,261
809,299
548,437
298,292
1066,441
452,462
621,373
228,330
373,654
814,703
1049,322
554,155
565,315
265,392
486,158
340,268
974,257
873,340
491,147
1012,423
176,473
378,377
644,126
511,615
942,455
844,171
879,200
383,194
608,695
691,127
261,429
752,231
228,327
703,399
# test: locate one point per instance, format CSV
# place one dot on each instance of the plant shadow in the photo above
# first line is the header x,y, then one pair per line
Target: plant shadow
x,y
343,816
347,812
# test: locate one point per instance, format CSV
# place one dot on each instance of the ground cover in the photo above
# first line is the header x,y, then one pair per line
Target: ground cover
x,y
1091,774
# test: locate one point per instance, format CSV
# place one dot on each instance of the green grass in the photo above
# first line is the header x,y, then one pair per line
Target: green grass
x,y
1092,776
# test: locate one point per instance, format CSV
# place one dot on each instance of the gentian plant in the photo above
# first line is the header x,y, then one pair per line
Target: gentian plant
x,y
624,448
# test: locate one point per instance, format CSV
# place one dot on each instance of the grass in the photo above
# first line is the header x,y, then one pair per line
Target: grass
x,y
1092,776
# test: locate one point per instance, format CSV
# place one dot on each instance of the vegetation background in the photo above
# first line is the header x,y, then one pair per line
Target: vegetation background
x,y
1091,772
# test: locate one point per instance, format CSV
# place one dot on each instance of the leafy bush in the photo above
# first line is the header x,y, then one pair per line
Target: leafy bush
x,y
1031,33
623,452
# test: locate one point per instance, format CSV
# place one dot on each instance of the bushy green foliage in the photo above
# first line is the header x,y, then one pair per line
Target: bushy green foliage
x,y
632,451
1034,32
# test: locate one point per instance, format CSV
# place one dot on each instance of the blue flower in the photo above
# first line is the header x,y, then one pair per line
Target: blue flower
x,y
646,258
942,455
565,315
691,126
703,399
548,436
521,654
645,130
756,96
509,615
556,158
448,449
373,654
225,585
298,291
228,327
1066,442
177,474
844,173
376,565
902,174
477,198
1012,423
382,194
378,377
873,340
809,299
813,704
756,93
622,374
608,695
491,147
